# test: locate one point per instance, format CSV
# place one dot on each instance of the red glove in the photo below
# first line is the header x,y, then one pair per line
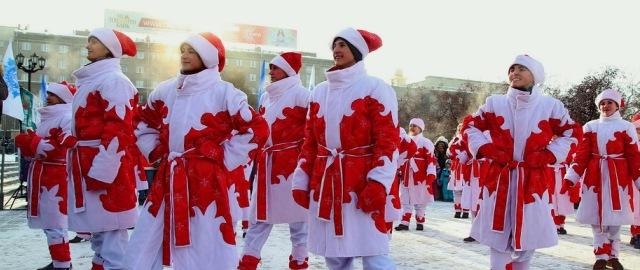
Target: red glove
x,y
301,197
566,186
539,159
28,143
490,151
373,197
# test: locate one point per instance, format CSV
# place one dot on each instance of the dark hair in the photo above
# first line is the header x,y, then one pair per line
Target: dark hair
x,y
356,53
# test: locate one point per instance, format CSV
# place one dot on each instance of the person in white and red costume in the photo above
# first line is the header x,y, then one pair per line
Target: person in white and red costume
x,y
635,226
348,159
284,107
102,186
609,160
200,128
419,174
514,132
47,180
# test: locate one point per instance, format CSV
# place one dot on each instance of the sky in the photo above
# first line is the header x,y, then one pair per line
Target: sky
x,y
465,39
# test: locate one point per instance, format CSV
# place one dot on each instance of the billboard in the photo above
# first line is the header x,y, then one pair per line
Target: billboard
x,y
263,35
129,21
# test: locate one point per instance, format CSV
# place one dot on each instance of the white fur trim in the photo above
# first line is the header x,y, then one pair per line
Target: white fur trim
x,y
533,65
61,91
355,38
284,65
109,39
418,122
207,51
611,94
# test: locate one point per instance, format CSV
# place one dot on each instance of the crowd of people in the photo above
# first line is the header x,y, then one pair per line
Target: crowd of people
x,y
332,163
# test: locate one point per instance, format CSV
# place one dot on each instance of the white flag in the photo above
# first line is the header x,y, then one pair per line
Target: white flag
x,y
312,78
12,106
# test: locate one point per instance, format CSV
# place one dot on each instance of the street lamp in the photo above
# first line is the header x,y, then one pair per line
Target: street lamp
x,y
33,64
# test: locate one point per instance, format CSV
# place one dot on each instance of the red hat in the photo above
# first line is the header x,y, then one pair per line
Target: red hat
x,y
363,40
116,42
63,90
210,49
290,62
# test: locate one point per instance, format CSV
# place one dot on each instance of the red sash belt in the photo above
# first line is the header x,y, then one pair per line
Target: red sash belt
x,y
614,182
35,181
264,175
332,188
502,198
75,172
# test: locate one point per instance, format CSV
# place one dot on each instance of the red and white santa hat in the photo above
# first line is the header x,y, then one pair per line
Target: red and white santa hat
x,y
63,90
210,49
418,122
533,65
363,40
611,94
290,62
636,120
116,42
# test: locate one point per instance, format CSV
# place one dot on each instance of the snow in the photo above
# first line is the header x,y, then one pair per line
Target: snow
x,y
440,246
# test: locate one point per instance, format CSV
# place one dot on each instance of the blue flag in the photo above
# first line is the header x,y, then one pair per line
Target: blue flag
x,y
43,90
12,106
261,84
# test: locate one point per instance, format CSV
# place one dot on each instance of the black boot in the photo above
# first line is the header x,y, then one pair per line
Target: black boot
x,y
457,215
402,227
615,264
562,231
634,239
636,245
465,215
48,267
77,239
469,239
419,227
600,265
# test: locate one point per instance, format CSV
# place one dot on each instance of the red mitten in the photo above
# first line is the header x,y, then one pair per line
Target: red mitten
x,y
373,197
490,151
539,159
574,194
28,143
301,197
566,186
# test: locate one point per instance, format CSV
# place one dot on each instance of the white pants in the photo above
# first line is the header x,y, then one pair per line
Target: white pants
x,y
109,248
407,210
519,260
378,262
259,233
58,242
606,242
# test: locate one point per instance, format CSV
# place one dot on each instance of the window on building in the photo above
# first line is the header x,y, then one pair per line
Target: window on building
x,y
84,52
44,47
252,77
238,62
140,70
25,46
24,77
140,55
63,49
124,69
62,78
139,84
253,64
62,64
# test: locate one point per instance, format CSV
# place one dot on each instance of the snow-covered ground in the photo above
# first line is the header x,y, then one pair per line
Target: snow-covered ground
x,y
440,246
